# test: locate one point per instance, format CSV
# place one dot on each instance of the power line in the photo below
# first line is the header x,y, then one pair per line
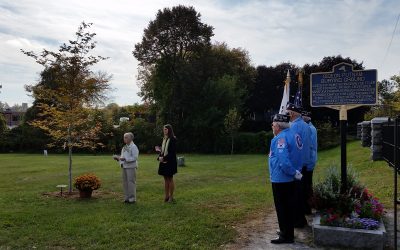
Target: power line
x,y
391,40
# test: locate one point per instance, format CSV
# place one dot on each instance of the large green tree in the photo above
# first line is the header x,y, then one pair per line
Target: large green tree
x,y
66,100
189,82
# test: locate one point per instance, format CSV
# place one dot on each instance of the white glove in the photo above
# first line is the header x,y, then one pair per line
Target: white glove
x,y
298,175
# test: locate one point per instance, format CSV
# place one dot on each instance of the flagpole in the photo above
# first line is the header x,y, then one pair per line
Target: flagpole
x,y
286,93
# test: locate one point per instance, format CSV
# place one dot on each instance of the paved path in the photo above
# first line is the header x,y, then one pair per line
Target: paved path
x,y
256,235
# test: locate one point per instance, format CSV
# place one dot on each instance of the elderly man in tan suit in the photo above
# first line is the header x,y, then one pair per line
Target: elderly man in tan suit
x,y
129,163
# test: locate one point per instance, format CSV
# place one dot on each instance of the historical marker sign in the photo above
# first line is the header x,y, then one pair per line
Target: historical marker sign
x,y
344,86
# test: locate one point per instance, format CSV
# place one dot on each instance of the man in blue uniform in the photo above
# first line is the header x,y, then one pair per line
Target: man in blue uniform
x,y
282,175
308,174
301,132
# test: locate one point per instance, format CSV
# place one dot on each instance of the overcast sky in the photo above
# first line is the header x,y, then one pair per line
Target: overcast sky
x,y
272,31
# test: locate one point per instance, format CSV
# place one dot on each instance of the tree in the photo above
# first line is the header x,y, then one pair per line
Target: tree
x,y
189,82
389,99
65,102
175,36
265,97
4,106
232,123
3,125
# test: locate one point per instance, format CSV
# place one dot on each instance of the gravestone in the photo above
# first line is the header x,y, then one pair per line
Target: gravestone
x,y
366,133
359,127
376,137
181,161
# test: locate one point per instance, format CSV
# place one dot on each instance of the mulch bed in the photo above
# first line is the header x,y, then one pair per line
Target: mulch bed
x,y
75,194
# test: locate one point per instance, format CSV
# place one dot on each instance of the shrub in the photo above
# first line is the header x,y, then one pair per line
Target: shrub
x,y
87,182
327,193
253,142
355,208
328,136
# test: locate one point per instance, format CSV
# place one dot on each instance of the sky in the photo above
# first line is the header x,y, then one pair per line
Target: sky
x,y
296,31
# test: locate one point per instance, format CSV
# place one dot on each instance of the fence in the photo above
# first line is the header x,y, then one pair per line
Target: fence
x,y
390,148
391,154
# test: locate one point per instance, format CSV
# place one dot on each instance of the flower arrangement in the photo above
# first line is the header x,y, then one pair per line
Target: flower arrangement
x,y
356,208
361,223
87,182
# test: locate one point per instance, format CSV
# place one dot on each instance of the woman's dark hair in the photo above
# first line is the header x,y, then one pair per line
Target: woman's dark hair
x,y
170,131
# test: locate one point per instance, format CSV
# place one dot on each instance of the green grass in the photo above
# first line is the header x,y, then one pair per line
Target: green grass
x,y
213,193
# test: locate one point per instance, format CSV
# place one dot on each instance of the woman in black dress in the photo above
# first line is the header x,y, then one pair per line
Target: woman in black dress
x,y
168,164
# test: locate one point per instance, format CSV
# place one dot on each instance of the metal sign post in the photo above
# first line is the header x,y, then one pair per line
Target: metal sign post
x,y
343,89
343,147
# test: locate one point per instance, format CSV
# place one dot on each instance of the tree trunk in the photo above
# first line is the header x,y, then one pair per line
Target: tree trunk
x,y
232,145
70,159
70,168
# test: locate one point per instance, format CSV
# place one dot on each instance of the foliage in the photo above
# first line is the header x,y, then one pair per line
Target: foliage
x,y
246,143
389,99
328,135
355,208
266,95
68,92
327,192
254,142
232,123
3,125
24,138
87,182
176,33
190,83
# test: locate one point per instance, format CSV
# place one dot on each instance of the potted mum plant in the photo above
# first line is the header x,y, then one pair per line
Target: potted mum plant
x,y
86,184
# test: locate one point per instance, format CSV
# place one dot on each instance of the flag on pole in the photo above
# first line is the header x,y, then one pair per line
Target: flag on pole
x,y
298,100
286,94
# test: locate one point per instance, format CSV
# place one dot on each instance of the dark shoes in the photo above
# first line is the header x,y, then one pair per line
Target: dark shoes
x,y
280,240
129,202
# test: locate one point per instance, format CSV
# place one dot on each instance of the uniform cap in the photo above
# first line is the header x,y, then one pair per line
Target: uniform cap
x,y
292,107
281,118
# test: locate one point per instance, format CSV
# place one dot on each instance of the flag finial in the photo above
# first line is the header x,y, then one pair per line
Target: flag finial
x,y
300,77
287,81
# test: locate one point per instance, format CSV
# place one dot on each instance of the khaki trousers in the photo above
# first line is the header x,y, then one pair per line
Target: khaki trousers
x,y
129,183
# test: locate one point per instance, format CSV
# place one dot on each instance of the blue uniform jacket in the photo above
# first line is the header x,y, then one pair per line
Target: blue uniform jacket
x,y
301,131
313,148
281,167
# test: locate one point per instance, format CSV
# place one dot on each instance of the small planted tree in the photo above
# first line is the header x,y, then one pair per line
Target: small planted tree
x,y
232,123
68,93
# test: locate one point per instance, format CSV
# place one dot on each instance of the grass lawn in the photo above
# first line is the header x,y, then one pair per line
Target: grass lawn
x,y
213,193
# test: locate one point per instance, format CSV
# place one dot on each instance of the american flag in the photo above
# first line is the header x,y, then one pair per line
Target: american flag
x,y
298,100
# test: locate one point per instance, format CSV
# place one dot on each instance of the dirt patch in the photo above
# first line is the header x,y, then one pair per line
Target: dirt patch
x,y
75,194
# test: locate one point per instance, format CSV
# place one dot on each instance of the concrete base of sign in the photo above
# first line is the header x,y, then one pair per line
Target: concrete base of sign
x,y
348,237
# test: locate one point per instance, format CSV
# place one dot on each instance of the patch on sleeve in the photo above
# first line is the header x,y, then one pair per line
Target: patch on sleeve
x,y
281,143
299,142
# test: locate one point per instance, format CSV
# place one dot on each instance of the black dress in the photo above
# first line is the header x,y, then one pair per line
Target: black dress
x,y
169,168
